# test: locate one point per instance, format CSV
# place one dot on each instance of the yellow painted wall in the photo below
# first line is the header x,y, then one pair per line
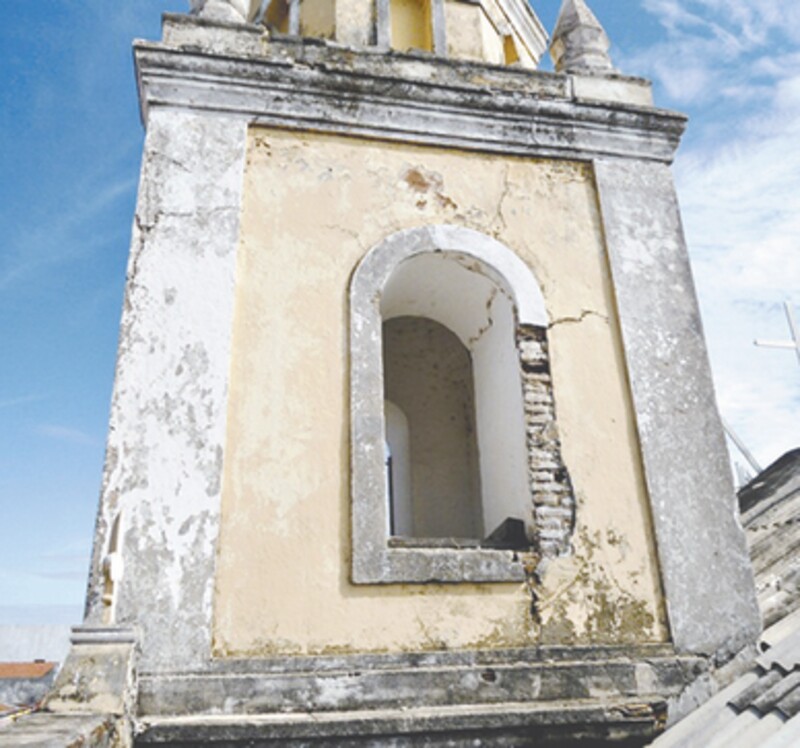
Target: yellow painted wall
x,y
313,207
411,24
318,18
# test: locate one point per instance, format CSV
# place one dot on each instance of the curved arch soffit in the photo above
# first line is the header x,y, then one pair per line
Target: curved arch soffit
x,y
507,269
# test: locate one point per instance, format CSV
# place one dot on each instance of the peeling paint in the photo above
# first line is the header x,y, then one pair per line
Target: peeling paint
x,y
282,373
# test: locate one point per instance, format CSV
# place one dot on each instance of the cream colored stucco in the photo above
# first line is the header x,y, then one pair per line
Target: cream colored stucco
x,y
313,206
464,35
318,18
479,32
355,22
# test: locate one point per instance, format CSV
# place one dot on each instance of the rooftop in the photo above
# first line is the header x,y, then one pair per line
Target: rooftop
x,y
25,670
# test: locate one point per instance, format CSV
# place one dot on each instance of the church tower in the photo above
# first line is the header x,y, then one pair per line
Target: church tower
x,y
413,438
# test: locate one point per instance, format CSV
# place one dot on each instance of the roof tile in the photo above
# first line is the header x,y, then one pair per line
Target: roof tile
x,y
14,670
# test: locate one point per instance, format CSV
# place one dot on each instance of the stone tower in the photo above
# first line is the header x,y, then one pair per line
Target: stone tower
x,y
413,438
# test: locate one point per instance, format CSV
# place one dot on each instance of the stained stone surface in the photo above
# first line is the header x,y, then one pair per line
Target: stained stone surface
x,y
168,413
579,41
706,570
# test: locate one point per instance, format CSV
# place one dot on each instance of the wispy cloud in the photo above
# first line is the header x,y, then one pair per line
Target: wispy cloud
x,y
67,434
65,237
12,402
717,49
734,61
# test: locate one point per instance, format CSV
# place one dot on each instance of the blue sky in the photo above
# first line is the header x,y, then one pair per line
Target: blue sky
x,y
71,142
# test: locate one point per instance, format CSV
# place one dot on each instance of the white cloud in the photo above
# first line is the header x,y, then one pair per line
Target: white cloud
x,y
738,180
12,402
66,236
66,434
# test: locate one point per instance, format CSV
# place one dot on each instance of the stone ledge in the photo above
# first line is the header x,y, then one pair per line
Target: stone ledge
x,y
517,724
300,685
551,654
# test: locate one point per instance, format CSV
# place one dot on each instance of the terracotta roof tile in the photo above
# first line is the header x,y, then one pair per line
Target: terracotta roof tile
x,y
10,670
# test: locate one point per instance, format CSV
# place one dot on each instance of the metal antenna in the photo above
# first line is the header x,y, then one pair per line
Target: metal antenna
x,y
794,344
740,445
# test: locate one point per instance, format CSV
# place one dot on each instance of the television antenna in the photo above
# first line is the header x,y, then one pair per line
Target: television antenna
x,y
793,344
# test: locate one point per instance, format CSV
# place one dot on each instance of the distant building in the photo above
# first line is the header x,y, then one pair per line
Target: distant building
x,y
24,684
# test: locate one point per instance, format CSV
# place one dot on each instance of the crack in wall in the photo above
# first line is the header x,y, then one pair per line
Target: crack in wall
x,y
576,320
498,216
489,320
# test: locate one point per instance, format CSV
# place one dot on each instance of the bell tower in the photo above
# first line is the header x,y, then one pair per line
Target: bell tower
x,y
413,438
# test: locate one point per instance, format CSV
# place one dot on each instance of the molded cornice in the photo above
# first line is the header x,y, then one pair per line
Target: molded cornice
x,y
310,85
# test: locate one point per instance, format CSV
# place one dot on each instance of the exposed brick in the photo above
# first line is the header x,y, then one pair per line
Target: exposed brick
x,y
553,504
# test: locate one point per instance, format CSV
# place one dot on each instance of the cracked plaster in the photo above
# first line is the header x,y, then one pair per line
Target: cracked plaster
x,y
291,325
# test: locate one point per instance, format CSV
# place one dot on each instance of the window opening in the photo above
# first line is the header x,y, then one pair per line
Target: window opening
x,y
510,52
428,375
283,16
466,519
398,470
411,25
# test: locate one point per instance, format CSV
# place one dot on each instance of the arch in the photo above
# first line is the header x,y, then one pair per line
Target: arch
x,y
504,265
485,294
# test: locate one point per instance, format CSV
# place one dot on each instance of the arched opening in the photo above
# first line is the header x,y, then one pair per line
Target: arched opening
x,y
411,25
452,415
277,15
467,299
428,377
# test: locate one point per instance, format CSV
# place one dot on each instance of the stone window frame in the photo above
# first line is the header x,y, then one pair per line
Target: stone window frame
x,y
374,560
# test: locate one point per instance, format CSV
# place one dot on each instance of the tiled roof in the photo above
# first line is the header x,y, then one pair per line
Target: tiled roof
x,y
26,670
8,712
770,506
759,710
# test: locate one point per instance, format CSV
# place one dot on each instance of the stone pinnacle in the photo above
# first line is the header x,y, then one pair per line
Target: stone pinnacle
x,y
580,44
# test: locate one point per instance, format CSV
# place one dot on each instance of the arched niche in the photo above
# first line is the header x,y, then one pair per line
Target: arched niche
x,y
485,295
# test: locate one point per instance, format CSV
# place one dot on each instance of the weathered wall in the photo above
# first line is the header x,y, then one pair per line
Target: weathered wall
x,y
313,206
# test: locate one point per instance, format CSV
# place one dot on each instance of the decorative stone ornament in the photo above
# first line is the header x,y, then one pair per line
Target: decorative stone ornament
x,y
236,11
580,44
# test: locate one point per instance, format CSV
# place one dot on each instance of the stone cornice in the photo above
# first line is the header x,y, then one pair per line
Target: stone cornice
x,y
309,85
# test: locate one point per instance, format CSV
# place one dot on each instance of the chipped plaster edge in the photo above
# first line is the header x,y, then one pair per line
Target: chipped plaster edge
x,y
169,407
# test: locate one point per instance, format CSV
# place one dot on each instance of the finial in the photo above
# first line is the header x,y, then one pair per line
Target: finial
x,y
580,44
236,11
